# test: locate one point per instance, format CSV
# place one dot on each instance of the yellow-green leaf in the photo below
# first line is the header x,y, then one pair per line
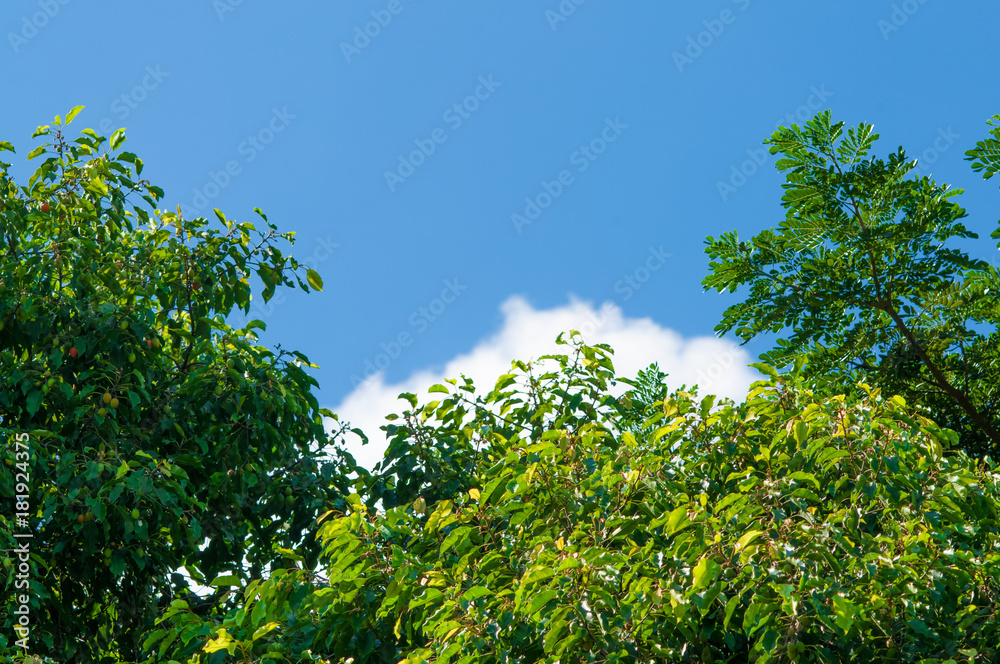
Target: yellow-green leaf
x,y
748,537
73,113
312,276
704,573
228,580
220,643
264,629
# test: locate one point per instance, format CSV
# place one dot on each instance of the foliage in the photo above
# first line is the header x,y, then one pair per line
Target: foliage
x,y
859,273
160,437
787,528
985,157
821,520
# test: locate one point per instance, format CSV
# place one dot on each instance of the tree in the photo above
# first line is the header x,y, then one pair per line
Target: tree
x,y
159,438
791,527
860,275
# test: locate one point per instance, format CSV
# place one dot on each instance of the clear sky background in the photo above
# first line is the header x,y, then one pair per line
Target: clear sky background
x,y
626,123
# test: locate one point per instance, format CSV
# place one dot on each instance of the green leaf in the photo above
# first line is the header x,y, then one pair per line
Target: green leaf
x,y
4,145
476,592
265,629
678,518
704,573
747,537
801,432
73,113
312,276
765,369
731,607
222,642
228,580
34,401
117,138
541,600
454,537
40,150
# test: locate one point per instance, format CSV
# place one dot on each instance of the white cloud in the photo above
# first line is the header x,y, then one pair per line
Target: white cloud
x,y
717,366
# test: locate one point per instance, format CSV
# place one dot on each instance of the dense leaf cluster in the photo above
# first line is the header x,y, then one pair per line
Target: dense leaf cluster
x,y
846,511
786,528
860,274
159,437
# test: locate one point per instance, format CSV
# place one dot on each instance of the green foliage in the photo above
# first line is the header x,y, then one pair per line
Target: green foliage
x,y
788,528
860,276
985,157
821,520
185,463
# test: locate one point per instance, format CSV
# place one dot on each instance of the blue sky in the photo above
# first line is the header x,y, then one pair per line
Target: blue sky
x,y
398,139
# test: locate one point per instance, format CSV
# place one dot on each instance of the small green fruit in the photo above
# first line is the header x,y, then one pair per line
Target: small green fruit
x,y
103,412
135,514
230,363
80,518
107,397
131,357
113,403
218,390
123,325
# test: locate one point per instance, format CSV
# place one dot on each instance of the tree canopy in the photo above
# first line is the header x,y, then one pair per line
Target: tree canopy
x,y
160,439
860,274
846,510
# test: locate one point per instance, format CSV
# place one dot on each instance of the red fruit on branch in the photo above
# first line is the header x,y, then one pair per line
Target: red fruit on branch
x,y
73,352
45,207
